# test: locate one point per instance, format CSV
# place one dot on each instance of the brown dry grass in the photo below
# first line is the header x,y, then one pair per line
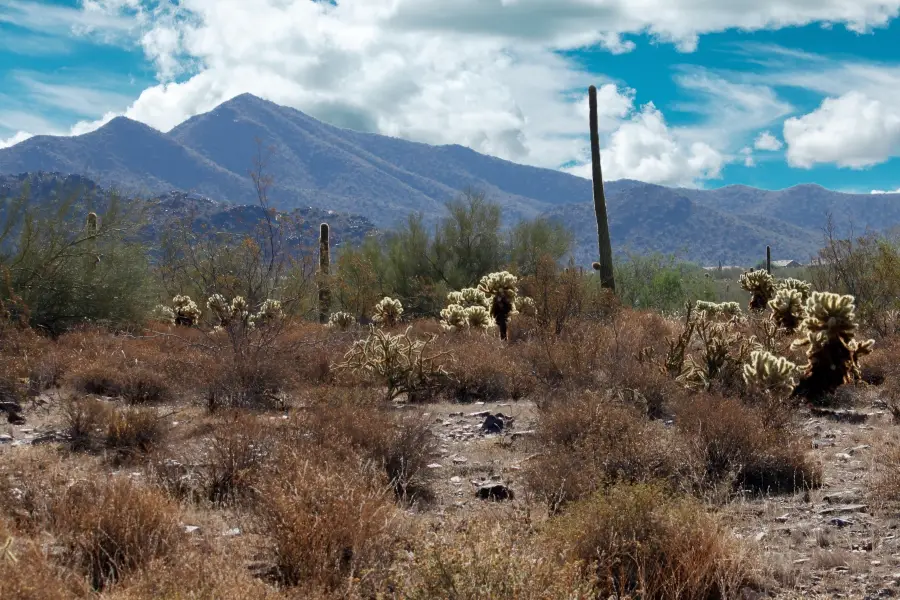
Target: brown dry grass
x,y
114,527
589,442
646,541
731,441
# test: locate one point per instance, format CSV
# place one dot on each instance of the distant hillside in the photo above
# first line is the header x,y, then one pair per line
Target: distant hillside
x,y
206,215
383,179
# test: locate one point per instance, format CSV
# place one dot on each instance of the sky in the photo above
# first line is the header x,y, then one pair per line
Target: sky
x,y
696,93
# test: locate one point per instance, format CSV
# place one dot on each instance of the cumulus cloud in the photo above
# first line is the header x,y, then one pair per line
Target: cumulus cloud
x,y
852,130
747,153
897,191
646,149
483,74
15,139
767,142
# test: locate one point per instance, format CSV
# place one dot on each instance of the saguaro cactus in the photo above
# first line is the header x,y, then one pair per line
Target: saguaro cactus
x,y
324,273
92,224
605,265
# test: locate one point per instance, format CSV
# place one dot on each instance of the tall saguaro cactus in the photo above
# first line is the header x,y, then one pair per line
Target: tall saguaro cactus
x,y
324,272
605,266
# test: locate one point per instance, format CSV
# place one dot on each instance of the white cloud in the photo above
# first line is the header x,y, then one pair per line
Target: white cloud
x,y
851,131
646,149
14,139
483,74
747,153
767,142
897,191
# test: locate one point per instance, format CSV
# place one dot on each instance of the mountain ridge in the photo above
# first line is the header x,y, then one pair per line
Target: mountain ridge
x,y
382,178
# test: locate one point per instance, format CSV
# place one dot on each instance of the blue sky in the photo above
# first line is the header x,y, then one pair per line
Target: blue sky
x,y
687,87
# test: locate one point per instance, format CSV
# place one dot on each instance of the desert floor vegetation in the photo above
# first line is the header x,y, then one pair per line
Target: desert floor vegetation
x,y
512,431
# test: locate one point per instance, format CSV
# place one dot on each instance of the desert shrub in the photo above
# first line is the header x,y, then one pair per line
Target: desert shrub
x,y
646,541
484,369
570,360
590,442
357,425
330,523
253,383
884,481
750,447
83,422
402,364
28,573
61,271
486,560
136,384
110,528
133,431
238,449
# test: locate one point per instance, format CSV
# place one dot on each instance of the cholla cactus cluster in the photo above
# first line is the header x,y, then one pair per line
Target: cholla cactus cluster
x,y
716,339
769,373
467,309
761,286
828,336
341,321
388,312
526,306
238,311
187,313
399,361
502,290
789,283
269,312
718,309
788,309
163,314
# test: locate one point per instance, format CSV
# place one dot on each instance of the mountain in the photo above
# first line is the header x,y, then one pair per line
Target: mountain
x,y
313,164
205,215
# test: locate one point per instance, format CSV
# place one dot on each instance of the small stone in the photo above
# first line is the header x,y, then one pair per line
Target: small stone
x,y
494,491
875,563
435,466
783,518
456,479
481,413
233,532
460,460
493,424
526,433
843,456
800,561
759,536
5,439
838,522
191,528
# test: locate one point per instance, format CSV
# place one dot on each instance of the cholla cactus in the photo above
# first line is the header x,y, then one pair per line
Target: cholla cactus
x,y
761,286
187,313
787,308
769,373
397,360
716,339
501,289
720,309
163,314
526,306
468,297
790,283
220,308
269,312
833,354
388,312
478,317
341,321
454,317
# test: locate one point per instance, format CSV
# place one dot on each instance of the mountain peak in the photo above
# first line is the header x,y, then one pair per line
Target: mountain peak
x,y
124,125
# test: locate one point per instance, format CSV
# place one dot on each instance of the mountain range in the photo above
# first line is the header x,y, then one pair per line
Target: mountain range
x,y
383,179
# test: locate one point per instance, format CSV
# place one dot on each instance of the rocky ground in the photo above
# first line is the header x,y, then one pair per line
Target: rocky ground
x,y
833,542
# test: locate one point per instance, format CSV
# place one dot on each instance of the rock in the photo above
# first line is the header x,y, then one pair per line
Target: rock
x,y
783,518
493,423
843,508
233,532
521,434
843,456
191,528
456,479
844,416
841,496
481,413
460,460
839,522
800,561
435,466
494,491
